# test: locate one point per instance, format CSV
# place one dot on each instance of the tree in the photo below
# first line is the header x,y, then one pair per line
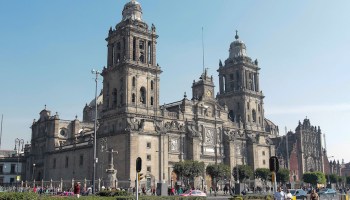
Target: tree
x,y
348,180
314,178
340,179
282,176
218,171
263,173
189,169
244,172
332,178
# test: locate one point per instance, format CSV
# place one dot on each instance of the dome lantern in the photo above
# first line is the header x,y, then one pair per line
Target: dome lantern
x,y
132,10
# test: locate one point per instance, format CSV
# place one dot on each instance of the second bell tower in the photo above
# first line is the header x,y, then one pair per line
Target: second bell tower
x,y
131,78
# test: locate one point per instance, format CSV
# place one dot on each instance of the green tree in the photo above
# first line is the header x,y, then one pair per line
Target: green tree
x,y
348,180
314,178
332,178
187,170
244,172
282,176
340,179
263,174
218,172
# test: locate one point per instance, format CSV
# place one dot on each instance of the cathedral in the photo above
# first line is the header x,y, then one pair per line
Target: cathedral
x,y
225,127
302,151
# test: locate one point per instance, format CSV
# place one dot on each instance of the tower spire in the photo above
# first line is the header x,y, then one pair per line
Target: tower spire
x,y
236,36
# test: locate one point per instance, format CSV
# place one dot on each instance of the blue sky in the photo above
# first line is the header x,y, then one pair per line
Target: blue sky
x,y
47,49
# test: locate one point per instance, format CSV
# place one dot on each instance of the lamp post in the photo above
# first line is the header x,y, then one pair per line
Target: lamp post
x,y
202,184
33,174
18,144
329,180
95,126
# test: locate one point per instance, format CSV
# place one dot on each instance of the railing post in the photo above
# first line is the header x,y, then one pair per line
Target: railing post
x,y
72,183
85,184
61,185
99,184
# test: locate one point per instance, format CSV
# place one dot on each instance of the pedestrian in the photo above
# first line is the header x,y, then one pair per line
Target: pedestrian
x,y
279,195
77,189
289,195
314,195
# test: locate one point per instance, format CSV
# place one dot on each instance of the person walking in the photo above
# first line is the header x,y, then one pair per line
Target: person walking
x,y
314,195
77,189
279,195
289,195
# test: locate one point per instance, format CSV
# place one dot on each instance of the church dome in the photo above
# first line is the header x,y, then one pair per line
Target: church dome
x,y
132,10
99,101
237,48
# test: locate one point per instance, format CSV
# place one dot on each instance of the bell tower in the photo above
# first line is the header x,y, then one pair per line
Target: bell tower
x,y
239,87
131,78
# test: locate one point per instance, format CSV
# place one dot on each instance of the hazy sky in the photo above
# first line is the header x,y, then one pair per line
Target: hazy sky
x,y
48,48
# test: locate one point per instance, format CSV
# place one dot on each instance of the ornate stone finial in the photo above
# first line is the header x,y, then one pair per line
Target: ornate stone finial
x,y
45,107
185,95
220,63
76,116
256,62
236,36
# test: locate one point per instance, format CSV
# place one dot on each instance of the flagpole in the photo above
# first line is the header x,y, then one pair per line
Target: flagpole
x,y
2,117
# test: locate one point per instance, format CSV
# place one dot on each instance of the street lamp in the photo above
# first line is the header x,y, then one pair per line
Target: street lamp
x,y
329,180
33,174
95,126
18,144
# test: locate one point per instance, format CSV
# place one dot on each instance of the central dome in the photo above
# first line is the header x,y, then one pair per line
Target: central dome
x,y
237,48
132,10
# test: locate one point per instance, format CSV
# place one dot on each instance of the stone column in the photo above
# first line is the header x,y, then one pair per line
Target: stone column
x,y
257,82
111,172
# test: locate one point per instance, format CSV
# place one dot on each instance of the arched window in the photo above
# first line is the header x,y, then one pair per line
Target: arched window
x,y
118,57
133,81
143,95
254,115
121,99
133,97
134,48
152,84
142,57
231,115
149,53
114,97
224,83
151,101
121,84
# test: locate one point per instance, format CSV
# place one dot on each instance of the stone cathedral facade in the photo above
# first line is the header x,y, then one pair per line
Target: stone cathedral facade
x,y
225,127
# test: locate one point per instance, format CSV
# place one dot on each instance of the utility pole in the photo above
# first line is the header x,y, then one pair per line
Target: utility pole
x,y
2,117
287,160
95,127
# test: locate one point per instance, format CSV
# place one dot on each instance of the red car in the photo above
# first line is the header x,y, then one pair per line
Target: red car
x,y
194,193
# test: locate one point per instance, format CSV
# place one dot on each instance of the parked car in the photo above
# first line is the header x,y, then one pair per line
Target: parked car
x,y
194,193
299,193
327,191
